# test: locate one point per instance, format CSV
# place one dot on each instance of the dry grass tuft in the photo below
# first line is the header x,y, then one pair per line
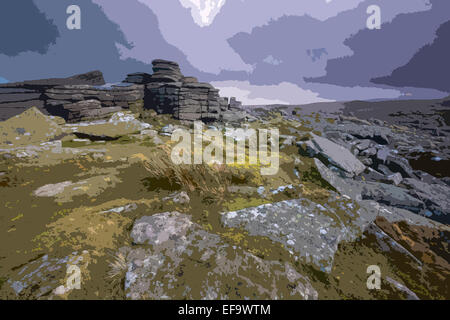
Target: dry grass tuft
x,y
118,267
211,179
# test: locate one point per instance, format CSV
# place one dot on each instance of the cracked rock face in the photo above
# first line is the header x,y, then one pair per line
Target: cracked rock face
x,y
175,254
312,231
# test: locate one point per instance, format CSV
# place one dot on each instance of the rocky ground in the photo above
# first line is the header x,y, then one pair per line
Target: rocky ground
x,y
359,184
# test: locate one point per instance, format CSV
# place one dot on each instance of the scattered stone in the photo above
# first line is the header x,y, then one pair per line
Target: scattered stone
x,y
120,124
178,198
51,190
124,209
396,178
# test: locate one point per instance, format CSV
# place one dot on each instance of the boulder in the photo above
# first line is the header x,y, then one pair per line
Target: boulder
x,y
435,197
310,230
395,178
391,196
332,153
120,124
170,249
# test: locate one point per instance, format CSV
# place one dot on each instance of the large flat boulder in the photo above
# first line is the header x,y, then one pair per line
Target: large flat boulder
x,y
120,124
311,230
94,78
176,253
332,153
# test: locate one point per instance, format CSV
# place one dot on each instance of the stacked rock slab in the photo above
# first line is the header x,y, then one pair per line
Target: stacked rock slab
x,y
82,103
168,91
17,97
85,97
14,101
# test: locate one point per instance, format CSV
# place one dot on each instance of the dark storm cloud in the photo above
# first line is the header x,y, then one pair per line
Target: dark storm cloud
x,y
97,46
429,68
377,53
24,28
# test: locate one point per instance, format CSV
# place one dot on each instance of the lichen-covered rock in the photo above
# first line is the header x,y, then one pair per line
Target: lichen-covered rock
x,y
46,277
178,259
120,124
311,230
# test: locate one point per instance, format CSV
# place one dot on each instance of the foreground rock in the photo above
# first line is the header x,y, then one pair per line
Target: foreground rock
x,y
311,230
120,124
175,256
46,277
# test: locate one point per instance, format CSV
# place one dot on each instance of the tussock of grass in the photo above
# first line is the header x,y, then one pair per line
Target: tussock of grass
x,y
117,267
211,179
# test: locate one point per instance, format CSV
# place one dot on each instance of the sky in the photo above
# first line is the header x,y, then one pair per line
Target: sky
x,y
261,51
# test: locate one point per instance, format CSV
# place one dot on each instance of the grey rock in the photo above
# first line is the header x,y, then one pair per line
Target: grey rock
x,y
391,196
138,78
288,140
178,198
173,246
41,277
382,154
364,144
346,187
435,197
311,230
395,178
334,154
367,161
160,228
20,96
362,129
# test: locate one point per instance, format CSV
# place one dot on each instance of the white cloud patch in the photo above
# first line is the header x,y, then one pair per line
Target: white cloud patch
x,y
273,61
203,11
283,93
